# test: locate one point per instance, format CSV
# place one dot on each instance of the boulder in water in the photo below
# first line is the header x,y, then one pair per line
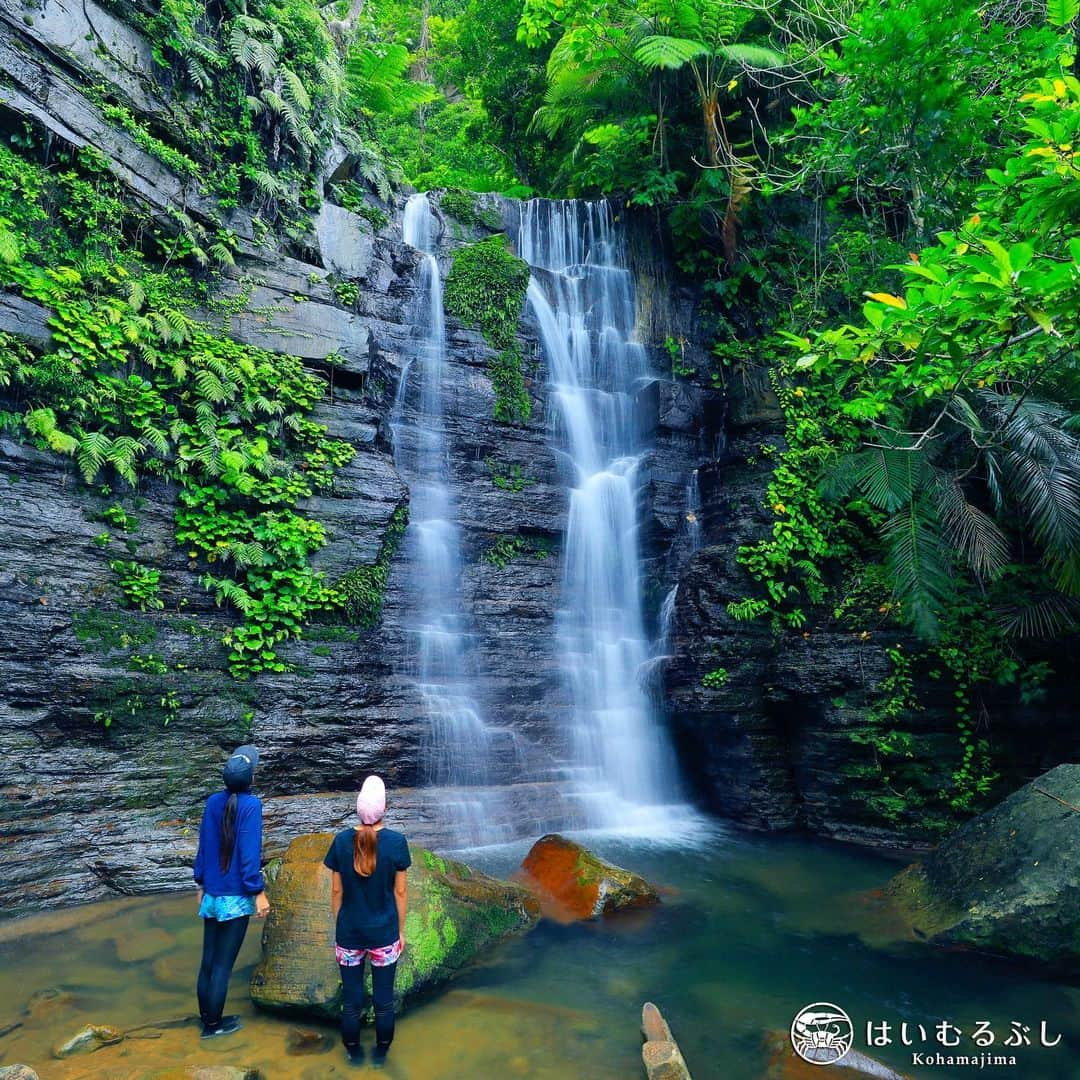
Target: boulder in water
x,y
1008,881
572,883
17,1072
454,912
88,1039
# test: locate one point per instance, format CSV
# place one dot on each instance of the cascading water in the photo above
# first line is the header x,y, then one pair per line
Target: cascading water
x,y
582,296
458,746
693,514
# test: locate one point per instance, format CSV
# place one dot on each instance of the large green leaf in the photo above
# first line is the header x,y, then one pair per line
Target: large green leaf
x,y
1062,12
752,56
914,556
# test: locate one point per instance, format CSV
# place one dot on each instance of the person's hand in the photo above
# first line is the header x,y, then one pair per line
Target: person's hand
x,y
198,896
401,940
262,906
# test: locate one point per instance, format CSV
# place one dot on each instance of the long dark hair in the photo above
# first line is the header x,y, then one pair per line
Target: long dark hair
x,y
228,829
365,846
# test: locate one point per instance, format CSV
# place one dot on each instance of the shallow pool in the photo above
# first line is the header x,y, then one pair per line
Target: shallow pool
x,y
751,930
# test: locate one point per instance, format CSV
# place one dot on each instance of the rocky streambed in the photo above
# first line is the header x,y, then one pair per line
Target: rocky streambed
x,y
749,931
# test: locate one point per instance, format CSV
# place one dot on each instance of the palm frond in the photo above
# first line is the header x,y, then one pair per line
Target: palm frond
x,y
920,575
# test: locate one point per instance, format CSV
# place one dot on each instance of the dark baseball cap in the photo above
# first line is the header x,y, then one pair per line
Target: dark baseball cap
x,y
239,770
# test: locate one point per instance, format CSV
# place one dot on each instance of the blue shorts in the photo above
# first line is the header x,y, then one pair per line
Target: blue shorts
x,y
224,908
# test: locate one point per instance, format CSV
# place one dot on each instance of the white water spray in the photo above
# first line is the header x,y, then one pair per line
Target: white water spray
x,y
582,296
457,749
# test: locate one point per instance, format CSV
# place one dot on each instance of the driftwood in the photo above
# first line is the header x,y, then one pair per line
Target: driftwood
x,y
661,1055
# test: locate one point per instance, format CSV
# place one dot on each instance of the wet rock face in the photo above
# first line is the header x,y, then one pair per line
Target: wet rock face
x,y
573,883
768,724
1008,882
454,914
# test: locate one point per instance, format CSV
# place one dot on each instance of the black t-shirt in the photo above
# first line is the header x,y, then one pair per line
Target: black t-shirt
x,y
368,917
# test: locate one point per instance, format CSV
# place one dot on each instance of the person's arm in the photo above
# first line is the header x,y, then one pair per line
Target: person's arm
x,y
198,871
249,849
336,893
401,898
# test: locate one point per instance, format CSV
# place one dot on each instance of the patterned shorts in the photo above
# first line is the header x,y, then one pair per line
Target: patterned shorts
x,y
383,956
224,908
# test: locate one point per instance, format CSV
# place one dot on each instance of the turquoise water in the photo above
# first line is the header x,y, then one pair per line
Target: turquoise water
x,y
751,929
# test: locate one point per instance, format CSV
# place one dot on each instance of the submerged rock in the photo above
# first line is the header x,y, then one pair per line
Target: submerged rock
x,y
454,912
1008,881
88,1039
304,1041
205,1072
573,883
43,1003
17,1072
785,1064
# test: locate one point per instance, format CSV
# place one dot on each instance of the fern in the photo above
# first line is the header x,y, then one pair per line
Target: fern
x,y
661,51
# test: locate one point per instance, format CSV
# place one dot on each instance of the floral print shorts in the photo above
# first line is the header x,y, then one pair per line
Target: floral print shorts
x,y
383,956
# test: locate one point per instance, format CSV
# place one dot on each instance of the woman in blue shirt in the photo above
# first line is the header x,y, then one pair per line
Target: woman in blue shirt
x,y
368,900
229,876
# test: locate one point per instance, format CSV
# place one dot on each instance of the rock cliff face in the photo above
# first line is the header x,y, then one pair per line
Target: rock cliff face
x,y
777,737
104,759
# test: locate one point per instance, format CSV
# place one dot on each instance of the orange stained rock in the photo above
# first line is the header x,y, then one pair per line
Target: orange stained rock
x,y
553,869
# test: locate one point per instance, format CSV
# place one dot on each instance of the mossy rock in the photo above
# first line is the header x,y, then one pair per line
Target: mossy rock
x,y
1008,881
572,883
454,913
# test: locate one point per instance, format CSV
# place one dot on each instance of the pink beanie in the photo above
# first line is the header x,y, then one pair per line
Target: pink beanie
x,y
371,802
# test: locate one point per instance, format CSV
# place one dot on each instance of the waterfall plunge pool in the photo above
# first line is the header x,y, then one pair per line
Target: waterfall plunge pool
x,y
752,928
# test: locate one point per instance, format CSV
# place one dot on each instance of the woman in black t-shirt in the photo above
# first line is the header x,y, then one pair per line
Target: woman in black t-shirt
x,y
368,901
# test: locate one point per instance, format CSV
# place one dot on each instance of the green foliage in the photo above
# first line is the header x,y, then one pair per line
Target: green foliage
x,y
486,289
913,102
715,679
932,421
140,585
509,548
509,478
351,196
131,387
347,293
361,592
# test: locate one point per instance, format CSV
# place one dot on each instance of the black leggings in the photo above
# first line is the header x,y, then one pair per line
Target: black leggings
x,y
352,1005
221,945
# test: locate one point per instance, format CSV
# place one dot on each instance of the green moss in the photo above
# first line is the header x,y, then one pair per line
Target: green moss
x,y
486,289
433,861
360,593
107,631
461,205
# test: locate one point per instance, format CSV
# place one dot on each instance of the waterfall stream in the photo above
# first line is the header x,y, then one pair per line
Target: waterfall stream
x,y
582,296
458,745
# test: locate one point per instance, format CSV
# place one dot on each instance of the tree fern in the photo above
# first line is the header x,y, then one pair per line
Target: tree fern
x,y
661,51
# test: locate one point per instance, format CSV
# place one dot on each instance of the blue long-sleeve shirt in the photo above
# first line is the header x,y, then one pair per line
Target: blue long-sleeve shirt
x,y
244,876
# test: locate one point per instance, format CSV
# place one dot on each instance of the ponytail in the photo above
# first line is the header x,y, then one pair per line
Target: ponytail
x,y
228,833
365,843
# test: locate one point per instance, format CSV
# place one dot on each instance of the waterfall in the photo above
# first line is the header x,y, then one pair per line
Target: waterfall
x,y
582,296
457,748
693,513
